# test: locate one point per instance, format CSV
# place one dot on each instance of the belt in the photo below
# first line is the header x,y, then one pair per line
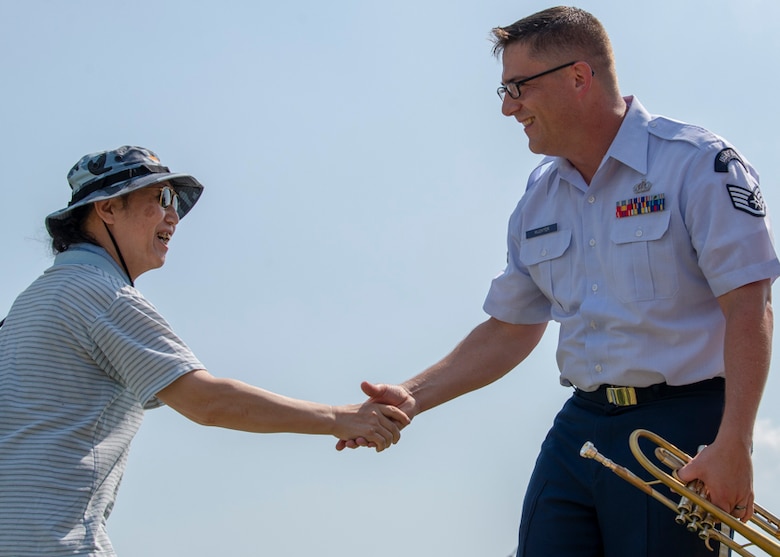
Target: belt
x,y
631,396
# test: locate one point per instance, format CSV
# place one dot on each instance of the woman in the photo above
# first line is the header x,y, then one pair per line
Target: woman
x,y
83,354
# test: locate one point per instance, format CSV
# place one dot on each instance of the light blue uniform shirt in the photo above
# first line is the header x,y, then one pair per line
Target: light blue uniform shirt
x,y
82,354
632,265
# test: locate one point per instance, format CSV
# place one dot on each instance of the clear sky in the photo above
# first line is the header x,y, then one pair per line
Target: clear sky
x,y
359,176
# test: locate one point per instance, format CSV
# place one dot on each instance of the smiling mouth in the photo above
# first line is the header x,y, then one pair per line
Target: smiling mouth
x,y
164,237
528,121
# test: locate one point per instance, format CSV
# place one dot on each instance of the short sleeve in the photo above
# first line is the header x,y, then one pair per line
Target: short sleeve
x,y
513,296
136,347
728,221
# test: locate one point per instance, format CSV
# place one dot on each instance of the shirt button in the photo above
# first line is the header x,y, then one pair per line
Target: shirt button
x,y
543,252
594,287
598,368
592,242
593,325
638,233
592,199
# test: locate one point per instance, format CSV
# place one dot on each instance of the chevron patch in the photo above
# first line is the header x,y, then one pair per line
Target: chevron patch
x,y
745,199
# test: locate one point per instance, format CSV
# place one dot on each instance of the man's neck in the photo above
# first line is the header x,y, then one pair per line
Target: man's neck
x,y
603,127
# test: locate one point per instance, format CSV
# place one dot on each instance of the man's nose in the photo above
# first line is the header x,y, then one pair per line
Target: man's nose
x,y
509,105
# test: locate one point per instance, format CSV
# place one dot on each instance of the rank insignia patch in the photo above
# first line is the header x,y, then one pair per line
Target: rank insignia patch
x,y
745,199
723,159
639,205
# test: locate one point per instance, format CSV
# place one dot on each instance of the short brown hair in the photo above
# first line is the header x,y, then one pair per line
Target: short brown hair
x,y
561,31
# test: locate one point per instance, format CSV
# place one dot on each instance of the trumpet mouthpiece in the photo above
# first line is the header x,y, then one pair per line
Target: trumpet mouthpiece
x,y
588,450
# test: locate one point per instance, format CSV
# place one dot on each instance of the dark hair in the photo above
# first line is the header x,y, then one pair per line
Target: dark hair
x,y
561,32
69,230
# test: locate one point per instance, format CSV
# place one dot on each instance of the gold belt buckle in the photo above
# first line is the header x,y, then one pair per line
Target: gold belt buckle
x,y
621,396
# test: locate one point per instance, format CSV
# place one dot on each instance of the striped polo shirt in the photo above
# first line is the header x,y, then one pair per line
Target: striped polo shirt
x,y
82,354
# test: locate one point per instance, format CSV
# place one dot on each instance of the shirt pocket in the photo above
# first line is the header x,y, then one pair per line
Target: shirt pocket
x,y
643,259
550,271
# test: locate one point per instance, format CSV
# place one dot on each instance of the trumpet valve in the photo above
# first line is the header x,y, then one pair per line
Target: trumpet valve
x,y
693,523
698,519
707,524
684,508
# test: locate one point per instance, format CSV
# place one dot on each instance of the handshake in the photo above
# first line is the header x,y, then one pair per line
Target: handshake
x,y
376,423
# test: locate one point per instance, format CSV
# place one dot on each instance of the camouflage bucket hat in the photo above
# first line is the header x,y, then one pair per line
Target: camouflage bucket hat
x,y
108,174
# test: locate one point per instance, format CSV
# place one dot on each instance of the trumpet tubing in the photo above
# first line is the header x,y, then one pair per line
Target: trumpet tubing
x,y
694,511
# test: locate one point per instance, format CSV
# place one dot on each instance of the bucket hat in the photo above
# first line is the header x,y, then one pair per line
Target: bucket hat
x,y
108,174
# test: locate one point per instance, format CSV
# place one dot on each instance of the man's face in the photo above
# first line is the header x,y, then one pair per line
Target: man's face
x,y
143,228
544,106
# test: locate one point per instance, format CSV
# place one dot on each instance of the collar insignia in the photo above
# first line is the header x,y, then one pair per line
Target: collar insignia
x,y
643,186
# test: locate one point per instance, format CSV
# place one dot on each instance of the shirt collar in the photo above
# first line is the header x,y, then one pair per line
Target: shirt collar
x,y
630,144
90,254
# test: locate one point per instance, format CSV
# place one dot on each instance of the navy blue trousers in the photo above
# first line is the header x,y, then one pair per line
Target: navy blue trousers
x,y
575,507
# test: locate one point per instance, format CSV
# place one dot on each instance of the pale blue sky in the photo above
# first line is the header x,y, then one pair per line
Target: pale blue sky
x,y
359,176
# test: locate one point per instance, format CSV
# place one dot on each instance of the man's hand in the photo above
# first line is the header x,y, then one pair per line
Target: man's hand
x,y
378,425
394,395
727,476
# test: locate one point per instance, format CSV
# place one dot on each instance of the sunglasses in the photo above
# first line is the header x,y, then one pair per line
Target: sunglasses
x,y
168,197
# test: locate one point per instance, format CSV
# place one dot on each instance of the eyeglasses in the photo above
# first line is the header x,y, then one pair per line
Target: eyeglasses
x,y
513,87
168,197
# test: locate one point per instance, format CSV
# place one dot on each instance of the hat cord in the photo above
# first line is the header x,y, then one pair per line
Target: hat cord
x,y
119,253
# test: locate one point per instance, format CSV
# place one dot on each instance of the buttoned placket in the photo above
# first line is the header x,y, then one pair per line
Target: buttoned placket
x,y
592,215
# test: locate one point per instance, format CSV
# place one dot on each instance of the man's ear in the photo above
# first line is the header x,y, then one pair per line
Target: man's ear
x,y
583,76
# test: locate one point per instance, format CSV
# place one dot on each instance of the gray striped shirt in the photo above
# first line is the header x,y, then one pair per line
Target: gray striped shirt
x,y
82,354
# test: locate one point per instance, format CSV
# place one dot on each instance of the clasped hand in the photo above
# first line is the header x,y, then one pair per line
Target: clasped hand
x,y
393,395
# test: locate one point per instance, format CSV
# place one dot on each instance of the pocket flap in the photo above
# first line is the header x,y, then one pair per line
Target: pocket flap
x,y
544,248
640,228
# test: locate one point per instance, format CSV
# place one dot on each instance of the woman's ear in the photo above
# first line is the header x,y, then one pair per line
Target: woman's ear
x,y
106,210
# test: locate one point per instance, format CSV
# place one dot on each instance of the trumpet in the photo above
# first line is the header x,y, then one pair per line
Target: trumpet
x,y
694,510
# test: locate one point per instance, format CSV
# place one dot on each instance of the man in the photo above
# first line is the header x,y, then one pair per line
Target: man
x,y
83,354
647,240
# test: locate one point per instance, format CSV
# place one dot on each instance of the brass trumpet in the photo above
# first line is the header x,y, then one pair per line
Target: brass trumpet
x,y
694,510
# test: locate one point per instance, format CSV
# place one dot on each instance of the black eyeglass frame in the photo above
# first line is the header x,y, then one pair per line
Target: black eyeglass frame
x,y
506,88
